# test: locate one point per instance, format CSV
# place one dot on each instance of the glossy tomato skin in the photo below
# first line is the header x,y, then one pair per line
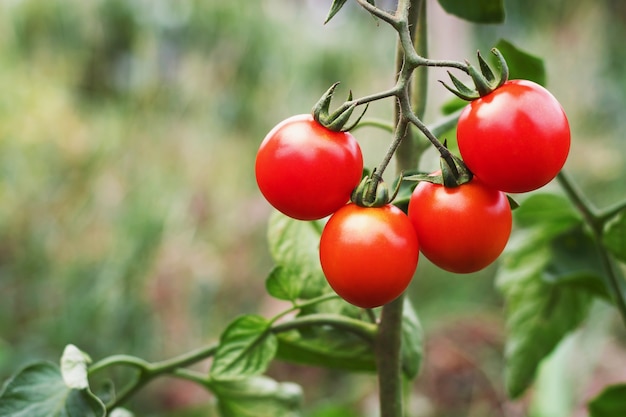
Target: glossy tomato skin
x,y
461,229
369,255
516,139
307,171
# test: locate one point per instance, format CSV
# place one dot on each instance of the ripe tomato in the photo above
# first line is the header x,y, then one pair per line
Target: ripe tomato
x,y
515,139
369,255
461,229
307,171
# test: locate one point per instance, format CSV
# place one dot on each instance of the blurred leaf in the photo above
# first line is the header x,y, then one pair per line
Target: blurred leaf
x,y
575,261
246,348
333,410
258,396
74,364
609,403
547,254
294,247
550,210
412,341
452,105
539,315
326,347
522,65
478,11
614,236
334,9
39,389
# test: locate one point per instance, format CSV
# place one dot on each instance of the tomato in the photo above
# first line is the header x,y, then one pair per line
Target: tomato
x,y
369,255
307,171
461,229
516,139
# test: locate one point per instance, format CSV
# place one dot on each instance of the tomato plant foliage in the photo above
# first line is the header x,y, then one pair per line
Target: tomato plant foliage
x,y
341,249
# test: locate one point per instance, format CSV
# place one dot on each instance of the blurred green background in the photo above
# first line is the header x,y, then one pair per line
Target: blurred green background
x,y
130,221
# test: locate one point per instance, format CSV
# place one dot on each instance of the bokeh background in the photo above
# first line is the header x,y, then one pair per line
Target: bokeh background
x,y
130,221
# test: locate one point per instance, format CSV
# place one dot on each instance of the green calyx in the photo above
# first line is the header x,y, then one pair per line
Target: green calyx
x,y
454,173
485,80
373,192
337,120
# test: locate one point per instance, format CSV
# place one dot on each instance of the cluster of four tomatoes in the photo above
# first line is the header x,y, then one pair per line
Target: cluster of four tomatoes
x,y
514,140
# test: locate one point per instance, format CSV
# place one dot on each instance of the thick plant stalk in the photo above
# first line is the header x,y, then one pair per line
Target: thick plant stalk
x,y
388,359
389,337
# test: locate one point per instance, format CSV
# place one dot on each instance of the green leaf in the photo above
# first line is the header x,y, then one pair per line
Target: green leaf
x,y
610,402
539,315
576,262
551,210
614,236
39,391
246,348
334,9
281,285
412,341
258,396
479,11
522,65
453,105
294,247
327,348
547,254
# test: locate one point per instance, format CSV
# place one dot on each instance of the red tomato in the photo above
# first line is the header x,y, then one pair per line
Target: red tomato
x,y
515,139
307,171
461,229
369,255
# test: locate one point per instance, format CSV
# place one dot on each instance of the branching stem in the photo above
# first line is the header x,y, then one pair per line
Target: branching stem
x,y
176,367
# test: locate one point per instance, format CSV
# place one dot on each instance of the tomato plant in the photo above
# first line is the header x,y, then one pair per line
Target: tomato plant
x,y
307,171
369,254
516,139
460,229
562,270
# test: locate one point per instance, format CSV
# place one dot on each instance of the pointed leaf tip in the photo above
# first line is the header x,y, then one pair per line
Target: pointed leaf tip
x,y
334,9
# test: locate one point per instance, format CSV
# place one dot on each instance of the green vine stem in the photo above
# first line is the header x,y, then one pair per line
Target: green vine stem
x,y
411,35
176,367
388,359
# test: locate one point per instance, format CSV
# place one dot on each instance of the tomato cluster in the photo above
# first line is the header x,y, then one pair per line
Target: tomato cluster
x,y
514,139
308,172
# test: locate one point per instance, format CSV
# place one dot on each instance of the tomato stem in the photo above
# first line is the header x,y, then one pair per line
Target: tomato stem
x,y
596,224
176,366
388,359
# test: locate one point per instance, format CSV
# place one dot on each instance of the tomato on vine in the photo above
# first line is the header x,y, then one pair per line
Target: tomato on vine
x,y
460,229
516,138
369,254
307,171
